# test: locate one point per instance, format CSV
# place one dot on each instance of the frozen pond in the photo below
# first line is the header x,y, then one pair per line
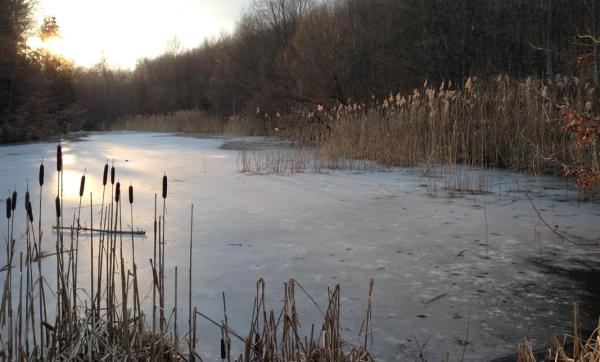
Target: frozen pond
x,y
424,250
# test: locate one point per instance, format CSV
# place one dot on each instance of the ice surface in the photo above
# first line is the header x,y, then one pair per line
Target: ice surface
x,y
345,227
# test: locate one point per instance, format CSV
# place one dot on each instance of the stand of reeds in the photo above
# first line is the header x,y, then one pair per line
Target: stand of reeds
x,y
573,348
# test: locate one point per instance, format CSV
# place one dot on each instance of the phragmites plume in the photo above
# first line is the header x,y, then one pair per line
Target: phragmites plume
x,y
82,186
130,194
118,192
41,175
57,205
8,208
164,189
112,175
469,85
13,204
105,175
59,160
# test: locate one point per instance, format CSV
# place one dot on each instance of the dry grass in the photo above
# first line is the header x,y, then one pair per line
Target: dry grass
x,y
194,122
296,160
104,318
573,348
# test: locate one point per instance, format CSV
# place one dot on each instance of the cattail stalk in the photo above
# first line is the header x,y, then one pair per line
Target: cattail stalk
x,y
91,351
176,341
154,284
191,355
42,298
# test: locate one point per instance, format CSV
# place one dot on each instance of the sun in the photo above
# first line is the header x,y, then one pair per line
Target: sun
x,y
55,45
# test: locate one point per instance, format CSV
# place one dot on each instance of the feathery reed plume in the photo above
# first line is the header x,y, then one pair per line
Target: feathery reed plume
x,y
59,159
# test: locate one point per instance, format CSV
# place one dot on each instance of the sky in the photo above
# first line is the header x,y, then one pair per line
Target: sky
x,y
124,31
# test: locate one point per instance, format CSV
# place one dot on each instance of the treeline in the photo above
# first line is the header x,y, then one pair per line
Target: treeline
x,y
291,55
295,54
37,97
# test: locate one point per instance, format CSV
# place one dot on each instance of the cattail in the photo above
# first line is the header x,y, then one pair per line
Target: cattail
x,y
13,205
41,175
118,192
223,351
57,204
82,186
105,175
112,175
8,208
26,199
164,189
130,194
59,161
29,211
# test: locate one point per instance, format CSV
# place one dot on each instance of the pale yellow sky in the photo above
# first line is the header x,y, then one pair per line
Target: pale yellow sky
x,y
127,30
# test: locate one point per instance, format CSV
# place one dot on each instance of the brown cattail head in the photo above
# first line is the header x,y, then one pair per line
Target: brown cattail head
x,y
26,199
112,175
223,350
13,204
41,176
57,204
82,186
105,175
130,194
8,208
118,192
59,160
29,211
164,189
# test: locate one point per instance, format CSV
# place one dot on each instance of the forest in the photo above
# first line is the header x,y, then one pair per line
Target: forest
x,y
289,56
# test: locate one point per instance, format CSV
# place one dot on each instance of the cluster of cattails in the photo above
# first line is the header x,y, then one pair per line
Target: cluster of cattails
x,y
108,321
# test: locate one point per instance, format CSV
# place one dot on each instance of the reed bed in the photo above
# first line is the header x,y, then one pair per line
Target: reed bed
x,y
65,318
192,121
504,123
296,159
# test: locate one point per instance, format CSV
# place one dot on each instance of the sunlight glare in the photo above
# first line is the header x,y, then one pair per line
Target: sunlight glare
x,y
125,31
